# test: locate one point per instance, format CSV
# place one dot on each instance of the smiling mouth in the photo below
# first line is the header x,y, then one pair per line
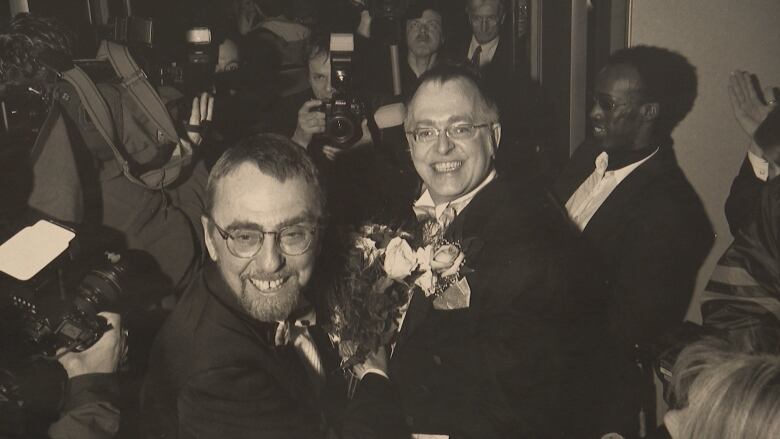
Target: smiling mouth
x,y
268,286
445,167
599,130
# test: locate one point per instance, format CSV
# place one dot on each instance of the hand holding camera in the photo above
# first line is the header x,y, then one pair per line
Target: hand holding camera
x,y
102,357
310,122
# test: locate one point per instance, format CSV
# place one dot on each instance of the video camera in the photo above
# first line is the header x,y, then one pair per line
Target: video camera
x,y
344,112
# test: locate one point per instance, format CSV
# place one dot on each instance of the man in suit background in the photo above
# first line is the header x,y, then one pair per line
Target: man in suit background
x,y
488,48
497,362
637,213
241,354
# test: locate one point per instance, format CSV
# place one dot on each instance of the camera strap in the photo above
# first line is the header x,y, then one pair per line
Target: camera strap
x,y
146,99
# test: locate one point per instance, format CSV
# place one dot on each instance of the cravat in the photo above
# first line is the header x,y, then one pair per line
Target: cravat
x,y
475,56
297,334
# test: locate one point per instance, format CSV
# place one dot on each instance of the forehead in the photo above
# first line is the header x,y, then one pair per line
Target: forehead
x,y
320,63
228,51
619,79
428,15
437,102
249,195
483,7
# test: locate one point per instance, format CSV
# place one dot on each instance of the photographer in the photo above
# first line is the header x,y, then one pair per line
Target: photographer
x,y
90,406
350,168
76,176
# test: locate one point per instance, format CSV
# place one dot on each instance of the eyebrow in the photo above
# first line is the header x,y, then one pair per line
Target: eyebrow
x,y
239,224
450,120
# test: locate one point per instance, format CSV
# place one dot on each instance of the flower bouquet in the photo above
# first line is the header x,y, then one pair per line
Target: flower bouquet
x,y
383,268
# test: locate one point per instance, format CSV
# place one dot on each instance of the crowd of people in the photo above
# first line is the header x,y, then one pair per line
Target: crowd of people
x,y
568,282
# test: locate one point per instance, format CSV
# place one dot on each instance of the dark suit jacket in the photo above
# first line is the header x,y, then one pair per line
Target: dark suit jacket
x,y
744,196
215,373
503,366
517,101
648,240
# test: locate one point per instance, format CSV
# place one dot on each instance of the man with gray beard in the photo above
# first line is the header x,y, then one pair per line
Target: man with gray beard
x,y
241,355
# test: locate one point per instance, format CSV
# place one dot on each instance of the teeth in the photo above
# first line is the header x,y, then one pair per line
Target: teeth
x,y
265,285
447,166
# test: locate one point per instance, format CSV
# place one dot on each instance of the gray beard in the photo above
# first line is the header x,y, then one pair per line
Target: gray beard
x,y
269,309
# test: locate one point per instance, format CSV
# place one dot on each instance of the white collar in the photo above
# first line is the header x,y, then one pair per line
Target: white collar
x,y
486,47
459,203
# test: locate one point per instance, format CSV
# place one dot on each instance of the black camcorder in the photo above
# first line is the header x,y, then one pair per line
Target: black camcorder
x,y
344,112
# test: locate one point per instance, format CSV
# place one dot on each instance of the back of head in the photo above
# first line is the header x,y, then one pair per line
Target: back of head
x,y
22,39
727,391
667,78
273,155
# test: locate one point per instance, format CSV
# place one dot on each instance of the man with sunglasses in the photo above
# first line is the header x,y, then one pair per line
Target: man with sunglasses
x,y
241,355
643,224
489,357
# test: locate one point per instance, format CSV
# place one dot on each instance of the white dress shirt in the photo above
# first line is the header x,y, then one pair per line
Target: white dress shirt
x,y
592,193
488,50
760,165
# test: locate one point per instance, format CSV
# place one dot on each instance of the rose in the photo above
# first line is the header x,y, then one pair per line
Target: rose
x,y
427,282
447,260
400,259
368,249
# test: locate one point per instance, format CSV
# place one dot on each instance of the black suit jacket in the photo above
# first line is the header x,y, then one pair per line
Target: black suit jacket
x,y
647,241
214,372
504,366
744,196
518,102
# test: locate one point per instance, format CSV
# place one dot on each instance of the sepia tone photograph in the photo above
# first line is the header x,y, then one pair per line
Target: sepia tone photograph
x,y
389,219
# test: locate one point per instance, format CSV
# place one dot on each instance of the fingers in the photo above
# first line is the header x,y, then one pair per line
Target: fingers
x,y
770,96
200,117
331,153
311,121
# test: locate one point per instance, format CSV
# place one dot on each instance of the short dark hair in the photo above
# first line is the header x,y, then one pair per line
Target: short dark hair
x,y
319,44
274,155
23,38
446,72
768,133
416,9
667,78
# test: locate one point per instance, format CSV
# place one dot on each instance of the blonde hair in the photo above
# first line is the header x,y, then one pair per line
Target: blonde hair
x,y
731,392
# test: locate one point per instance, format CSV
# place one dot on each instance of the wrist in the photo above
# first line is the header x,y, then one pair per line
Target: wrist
x,y
301,138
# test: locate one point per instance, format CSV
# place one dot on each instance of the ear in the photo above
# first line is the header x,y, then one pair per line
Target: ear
x,y
650,111
208,238
495,136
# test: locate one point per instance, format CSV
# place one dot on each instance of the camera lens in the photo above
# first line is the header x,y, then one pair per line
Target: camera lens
x,y
341,129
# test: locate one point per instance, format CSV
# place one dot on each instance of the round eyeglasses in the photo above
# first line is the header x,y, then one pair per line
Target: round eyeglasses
x,y
458,131
292,240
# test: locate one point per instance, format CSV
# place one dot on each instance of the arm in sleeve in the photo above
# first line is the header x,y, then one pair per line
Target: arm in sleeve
x,y
745,192
89,411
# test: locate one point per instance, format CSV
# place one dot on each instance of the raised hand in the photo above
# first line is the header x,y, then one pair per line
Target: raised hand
x,y
309,123
750,109
200,117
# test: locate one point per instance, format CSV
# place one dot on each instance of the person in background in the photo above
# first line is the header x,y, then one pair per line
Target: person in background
x,y
641,220
750,110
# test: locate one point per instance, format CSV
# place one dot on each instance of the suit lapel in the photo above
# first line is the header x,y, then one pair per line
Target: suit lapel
x,y
464,229
613,211
577,170
280,362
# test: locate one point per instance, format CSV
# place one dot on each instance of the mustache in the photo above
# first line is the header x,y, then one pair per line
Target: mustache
x,y
268,277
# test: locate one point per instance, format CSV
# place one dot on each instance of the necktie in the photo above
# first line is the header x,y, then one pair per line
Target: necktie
x,y
475,56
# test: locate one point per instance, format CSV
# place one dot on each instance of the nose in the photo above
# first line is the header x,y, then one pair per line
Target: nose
x,y
595,111
269,259
444,144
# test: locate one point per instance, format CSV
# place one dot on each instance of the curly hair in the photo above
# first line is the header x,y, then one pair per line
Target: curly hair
x,y
23,38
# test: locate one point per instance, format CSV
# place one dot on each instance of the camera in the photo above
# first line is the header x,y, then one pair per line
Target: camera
x,y
387,9
23,108
196,73
344,111
51,301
